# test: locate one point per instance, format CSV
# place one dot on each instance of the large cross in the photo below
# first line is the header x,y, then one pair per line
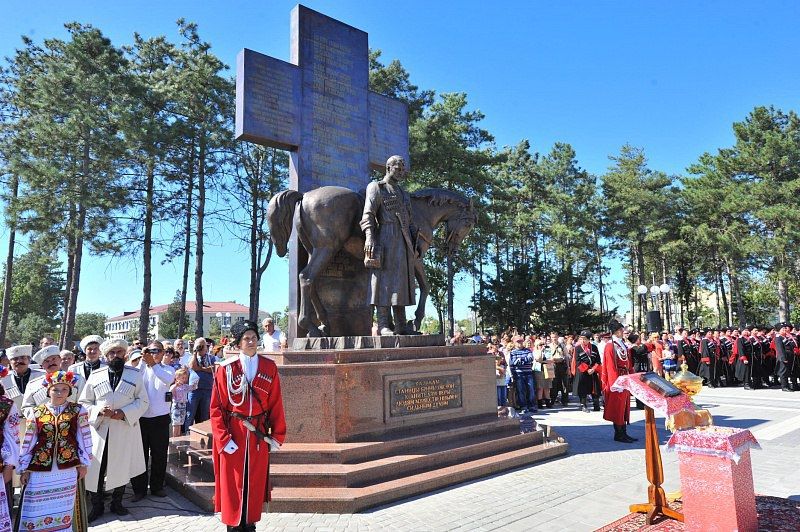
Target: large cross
x,y
320,108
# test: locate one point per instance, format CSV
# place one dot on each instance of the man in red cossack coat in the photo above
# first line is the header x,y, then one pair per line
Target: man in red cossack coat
x,y
247,423
616,362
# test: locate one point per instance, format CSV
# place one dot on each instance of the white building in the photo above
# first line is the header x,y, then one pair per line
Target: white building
x,y
225,312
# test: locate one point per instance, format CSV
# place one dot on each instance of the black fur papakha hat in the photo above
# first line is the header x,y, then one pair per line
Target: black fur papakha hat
x,y
240,327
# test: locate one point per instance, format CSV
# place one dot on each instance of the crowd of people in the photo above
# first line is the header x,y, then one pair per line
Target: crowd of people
x,y
101,417
537,371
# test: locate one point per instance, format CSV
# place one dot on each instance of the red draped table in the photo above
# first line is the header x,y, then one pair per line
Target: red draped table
x,y
716,478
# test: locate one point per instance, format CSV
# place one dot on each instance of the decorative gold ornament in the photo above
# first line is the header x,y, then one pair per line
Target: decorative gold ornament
x,y
688,382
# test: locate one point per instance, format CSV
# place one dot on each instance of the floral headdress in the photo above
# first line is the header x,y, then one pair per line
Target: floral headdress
x,y
60,377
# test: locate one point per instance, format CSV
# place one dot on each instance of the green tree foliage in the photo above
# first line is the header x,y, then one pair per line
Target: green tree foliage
x,y
87,323
69,99
95,137
152,141
29,329
38,286
635,213
204,109
258,173
394,80
168,320
766,156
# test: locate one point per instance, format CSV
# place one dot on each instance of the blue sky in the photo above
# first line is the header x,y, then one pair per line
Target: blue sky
x,y
670,77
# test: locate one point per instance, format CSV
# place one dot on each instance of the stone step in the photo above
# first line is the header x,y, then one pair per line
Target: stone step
x,y
299,457
360,451
194,477
355,499
424,458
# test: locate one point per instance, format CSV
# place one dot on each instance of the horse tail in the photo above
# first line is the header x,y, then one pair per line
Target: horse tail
x,y
280,214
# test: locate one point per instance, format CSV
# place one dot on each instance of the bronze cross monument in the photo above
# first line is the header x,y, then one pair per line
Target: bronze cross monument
x,y
320,108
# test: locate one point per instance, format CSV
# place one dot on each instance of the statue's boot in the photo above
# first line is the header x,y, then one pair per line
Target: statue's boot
x,y
383,321
400,322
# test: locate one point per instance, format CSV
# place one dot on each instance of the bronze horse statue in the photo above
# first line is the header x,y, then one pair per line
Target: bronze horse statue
x,y
327,220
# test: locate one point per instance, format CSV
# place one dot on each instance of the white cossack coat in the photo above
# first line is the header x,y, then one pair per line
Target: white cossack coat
x,y
13,392
125,453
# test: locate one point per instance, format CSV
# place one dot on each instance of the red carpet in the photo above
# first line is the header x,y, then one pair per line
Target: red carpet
x,y
774,515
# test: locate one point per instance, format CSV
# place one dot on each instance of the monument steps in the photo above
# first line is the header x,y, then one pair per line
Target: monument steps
x,y
438,455
392,443
359,475
195,449
355,499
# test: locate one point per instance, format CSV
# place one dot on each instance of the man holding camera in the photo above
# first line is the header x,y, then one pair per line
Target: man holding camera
x,y
202,372
155,422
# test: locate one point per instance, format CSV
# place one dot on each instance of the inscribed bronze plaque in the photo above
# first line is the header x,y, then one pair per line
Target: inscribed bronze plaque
x,y
424,394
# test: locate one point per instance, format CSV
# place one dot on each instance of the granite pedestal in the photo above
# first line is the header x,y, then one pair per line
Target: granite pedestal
x,y
369,426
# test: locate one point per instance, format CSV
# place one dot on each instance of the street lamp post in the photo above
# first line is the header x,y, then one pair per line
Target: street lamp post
x,y
528,305
223,323
665,291
642,291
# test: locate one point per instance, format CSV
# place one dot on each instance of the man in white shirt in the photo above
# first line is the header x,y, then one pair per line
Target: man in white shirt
x,y
271,342
155,422
181,353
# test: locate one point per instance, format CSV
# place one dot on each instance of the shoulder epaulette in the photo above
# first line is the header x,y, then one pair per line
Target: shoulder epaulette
x,y
228,361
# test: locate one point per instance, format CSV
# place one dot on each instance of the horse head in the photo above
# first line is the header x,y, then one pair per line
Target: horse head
x,y
458,227
438,205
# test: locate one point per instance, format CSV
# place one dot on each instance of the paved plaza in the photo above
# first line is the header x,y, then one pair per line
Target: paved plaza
x,y
591,486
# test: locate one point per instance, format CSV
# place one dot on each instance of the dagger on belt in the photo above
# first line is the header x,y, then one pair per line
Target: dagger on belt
x,y
273,445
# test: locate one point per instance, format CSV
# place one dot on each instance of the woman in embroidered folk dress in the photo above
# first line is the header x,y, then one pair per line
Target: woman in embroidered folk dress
x,y
9,453
56,453
247,423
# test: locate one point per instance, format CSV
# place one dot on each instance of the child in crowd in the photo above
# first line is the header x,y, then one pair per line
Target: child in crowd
x,y
501,376
180,398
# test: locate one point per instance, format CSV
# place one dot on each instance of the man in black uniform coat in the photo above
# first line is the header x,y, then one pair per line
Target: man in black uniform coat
x,y
745,361
767,356
586,363
725,349
709,357
784,353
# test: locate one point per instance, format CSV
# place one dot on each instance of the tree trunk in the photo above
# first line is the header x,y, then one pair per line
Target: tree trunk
x,y
147,250
599,261
70,248
12,237
450,319
719,300
187,245
74,285
480,290
254,249
733,277
198,261
725,307
783,298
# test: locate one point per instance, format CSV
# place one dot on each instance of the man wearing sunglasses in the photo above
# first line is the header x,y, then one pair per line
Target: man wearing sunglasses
x,y
155,422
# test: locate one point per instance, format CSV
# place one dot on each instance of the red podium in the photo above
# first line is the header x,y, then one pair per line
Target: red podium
x,y
716,478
